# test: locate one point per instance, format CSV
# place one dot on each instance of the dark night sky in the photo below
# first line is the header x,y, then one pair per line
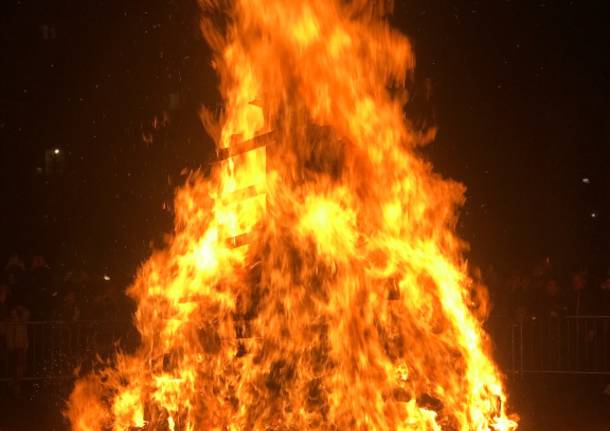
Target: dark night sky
x,y
520,94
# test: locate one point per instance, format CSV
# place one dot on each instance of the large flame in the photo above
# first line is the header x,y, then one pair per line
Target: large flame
x,y
314,281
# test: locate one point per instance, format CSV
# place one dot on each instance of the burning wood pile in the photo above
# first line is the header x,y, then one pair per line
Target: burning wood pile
x,y
314,280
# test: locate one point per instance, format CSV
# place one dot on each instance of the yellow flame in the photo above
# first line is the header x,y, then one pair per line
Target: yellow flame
x,y
314,281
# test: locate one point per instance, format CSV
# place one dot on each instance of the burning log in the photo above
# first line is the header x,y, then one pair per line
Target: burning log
x,y
237,148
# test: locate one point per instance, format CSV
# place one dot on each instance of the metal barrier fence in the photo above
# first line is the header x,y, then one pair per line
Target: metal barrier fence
x,y
53,349
40,350
561,345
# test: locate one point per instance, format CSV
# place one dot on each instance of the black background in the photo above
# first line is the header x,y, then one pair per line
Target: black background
x,y
520,95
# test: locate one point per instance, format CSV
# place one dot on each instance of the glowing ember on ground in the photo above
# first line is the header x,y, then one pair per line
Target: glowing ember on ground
x,y
314,281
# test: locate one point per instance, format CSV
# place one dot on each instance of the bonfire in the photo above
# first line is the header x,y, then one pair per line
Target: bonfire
x,y
314,280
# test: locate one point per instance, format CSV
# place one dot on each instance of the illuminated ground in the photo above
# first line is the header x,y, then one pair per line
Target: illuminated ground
x,y
546,404
562,403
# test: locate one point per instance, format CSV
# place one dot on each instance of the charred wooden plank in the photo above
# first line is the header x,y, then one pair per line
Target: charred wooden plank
x,y
243,147
239,240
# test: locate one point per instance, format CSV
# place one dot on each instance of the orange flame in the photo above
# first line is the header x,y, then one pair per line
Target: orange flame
x,y
314,281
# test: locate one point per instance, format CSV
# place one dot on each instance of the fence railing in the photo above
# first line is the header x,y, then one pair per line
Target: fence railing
x,y
561,345
38,350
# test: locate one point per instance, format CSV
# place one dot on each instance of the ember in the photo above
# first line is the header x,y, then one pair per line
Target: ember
x,y
314,280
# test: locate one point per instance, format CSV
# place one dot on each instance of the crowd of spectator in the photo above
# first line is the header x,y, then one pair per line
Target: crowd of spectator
x,y
62,293
547,291
32,291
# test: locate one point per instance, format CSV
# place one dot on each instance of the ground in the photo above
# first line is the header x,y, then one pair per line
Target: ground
x,y
562,403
